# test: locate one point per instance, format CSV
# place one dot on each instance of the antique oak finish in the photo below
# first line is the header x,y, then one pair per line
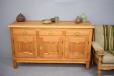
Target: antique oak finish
x,y
62,42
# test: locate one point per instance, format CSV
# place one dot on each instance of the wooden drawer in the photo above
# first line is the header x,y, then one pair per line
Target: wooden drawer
x,y
77,32
50,32
24,31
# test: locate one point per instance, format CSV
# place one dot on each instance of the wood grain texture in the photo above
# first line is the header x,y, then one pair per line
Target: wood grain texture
x,y
63,42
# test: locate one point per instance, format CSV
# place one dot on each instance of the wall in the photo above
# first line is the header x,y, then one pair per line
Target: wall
x,y
98,12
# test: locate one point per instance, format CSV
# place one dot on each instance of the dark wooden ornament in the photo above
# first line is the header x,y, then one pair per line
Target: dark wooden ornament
x,y
20,18
78,20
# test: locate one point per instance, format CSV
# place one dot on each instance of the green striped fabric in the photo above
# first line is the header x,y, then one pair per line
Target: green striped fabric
x,y
109,38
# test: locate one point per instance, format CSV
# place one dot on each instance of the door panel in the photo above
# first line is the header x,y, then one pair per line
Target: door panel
x,y
51,46
76,47
25,46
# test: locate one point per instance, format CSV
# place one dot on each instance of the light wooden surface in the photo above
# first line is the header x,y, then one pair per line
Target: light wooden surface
x,y
63,42
61,24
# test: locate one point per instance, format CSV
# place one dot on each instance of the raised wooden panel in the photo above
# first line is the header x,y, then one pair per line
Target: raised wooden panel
x,y
76,47
51,47
24,45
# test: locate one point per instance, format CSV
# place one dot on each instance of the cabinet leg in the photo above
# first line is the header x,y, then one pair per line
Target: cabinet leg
x,y
14,64
87,65
99,73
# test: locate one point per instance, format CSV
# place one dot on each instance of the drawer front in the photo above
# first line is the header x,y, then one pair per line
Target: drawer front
x,y
24,31
50,32
77,32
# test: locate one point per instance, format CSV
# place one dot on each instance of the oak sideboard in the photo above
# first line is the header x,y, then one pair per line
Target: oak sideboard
x,y
62,42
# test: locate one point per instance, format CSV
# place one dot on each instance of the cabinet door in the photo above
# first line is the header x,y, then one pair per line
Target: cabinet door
x,y
76,47
24,43
50,46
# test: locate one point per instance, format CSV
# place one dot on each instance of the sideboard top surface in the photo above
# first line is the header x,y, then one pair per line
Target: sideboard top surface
x,y
61,24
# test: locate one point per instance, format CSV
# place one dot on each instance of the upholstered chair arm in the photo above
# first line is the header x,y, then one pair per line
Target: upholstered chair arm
x,y
98,49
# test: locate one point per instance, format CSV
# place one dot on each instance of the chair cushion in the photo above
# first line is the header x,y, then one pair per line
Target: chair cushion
x,y
108,58
99,35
